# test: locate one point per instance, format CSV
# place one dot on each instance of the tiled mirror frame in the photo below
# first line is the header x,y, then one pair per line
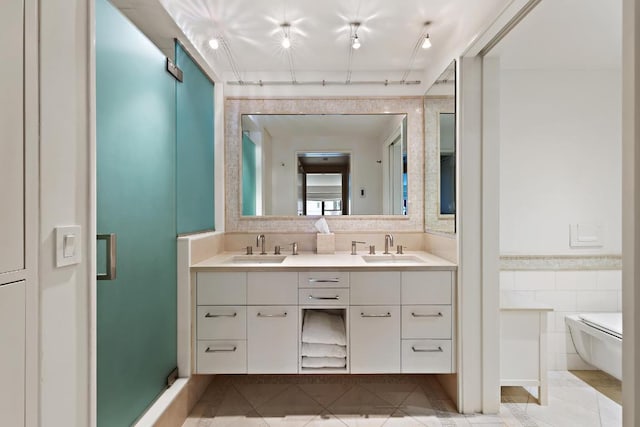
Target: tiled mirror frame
x,y
236,107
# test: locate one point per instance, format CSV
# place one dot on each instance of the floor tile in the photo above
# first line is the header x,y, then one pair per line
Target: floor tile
x,y
325,394
325,420
360,407
610,412
394,393
291,407
257,394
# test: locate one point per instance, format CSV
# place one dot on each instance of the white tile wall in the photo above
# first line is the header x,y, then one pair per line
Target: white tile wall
x,y
568,292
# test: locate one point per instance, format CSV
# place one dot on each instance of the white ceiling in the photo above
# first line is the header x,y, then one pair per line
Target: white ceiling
x,y
320,35
565,34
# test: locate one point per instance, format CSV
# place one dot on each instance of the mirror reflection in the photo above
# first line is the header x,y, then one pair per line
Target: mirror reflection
x,y
324,164
440,153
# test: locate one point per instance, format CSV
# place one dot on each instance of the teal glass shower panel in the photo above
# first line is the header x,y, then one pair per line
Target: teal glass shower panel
x,y
249,177
136,186
194,147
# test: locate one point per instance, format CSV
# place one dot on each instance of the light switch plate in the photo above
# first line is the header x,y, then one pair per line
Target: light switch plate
x,y
68,245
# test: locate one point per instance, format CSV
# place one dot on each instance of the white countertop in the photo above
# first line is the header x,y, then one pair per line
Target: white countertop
x,y
337,261
513,302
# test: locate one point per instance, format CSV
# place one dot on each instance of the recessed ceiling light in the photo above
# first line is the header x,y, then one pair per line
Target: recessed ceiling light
x,y
214,43
286,43
426,44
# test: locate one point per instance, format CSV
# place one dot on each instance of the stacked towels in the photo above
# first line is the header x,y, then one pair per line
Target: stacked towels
x,y
324,340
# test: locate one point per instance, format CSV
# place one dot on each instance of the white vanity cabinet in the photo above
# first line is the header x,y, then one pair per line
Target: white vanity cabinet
x,y
221,322
375,322
272,322
427,322
397,321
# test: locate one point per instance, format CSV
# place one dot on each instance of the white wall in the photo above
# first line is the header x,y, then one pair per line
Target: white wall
x,y
560,158
365,171
560,164
64,200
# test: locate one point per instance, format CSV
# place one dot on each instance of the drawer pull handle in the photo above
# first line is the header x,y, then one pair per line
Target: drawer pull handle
x,y
220,315
387,314
272,315
427,315
336,280
427,350
337,297
220,350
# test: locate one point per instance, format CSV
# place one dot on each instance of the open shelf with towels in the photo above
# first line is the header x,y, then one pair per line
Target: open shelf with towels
x,y
324,339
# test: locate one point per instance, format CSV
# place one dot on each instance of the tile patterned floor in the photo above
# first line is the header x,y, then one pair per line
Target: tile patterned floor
x,y
396,401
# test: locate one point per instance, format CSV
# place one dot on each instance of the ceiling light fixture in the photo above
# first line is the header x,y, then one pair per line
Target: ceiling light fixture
x,y
286,40
426,44
214,43
355,41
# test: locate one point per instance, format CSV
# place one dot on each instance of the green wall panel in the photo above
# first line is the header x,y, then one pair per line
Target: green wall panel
x,y
195,180
136,185
248,176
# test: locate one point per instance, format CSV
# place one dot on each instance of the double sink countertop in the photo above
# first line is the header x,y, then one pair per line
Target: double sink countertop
x,y
340,261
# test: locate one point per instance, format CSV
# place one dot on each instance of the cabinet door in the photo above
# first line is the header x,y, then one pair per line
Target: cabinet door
x,y
375,339
272,339
12,353
268,288
12,144
372,288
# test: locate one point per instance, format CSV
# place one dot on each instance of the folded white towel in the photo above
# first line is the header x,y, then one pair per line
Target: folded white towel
x,y
324,362
323,328
323,350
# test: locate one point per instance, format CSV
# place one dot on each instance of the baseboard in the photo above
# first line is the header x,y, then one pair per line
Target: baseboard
x,y
174,405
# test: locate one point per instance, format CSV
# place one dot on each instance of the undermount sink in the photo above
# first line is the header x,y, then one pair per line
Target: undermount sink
x,y
392,259
257,259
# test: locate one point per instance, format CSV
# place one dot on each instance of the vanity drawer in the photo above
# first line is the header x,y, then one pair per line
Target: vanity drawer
x,y
426,321
272,288
221,322
213,288
375,288
426,287
426,356
222,357
329,296
323,279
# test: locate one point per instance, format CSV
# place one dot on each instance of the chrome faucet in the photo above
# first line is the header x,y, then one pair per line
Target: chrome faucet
x,y
353,246
260,243
388,241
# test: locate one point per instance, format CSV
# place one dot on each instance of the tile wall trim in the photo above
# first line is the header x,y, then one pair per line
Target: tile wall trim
x,y
561,262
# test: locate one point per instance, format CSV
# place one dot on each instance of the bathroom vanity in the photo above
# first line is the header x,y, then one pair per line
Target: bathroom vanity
x,y
398,312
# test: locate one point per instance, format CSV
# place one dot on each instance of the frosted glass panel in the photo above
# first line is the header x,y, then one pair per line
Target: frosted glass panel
x,y
195,179
248,176
136,181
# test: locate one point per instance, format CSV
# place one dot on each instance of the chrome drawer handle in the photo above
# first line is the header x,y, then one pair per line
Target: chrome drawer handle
x,y
336,280
337,297
220,350
427,315
220,315
387,314
426,350
272,315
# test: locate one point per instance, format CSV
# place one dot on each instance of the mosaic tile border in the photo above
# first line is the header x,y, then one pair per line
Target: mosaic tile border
x,y
412,106
561,262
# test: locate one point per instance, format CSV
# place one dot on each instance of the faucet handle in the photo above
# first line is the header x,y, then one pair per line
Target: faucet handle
x,y
400,250
276,250
353,246
294,248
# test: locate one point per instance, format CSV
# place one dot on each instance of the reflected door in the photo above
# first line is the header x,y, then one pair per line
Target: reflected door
x,y
136,154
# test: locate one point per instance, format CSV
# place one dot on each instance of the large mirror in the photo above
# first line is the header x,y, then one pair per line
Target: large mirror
x,y
440,153
324,164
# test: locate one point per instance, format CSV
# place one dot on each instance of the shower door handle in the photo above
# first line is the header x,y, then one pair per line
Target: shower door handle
x,y
112,255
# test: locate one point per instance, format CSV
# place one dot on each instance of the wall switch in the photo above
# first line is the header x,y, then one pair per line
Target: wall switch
x,y
68,245
586,235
